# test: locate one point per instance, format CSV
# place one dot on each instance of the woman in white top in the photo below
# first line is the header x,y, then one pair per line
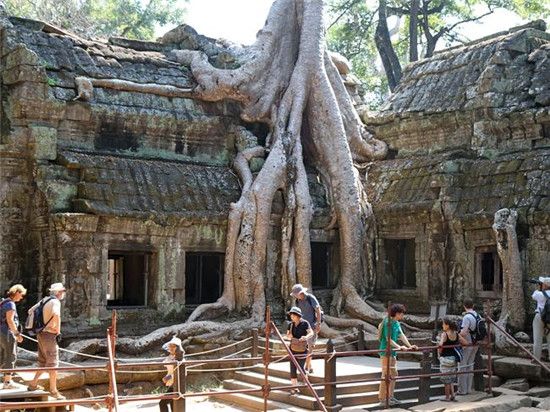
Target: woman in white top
x,y
539,328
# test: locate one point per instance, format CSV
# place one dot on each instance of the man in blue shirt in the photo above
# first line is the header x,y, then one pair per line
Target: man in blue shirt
x,y
311,311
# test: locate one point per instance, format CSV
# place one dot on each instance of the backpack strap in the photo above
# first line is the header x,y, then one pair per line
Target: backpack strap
x,y
476,318
44,304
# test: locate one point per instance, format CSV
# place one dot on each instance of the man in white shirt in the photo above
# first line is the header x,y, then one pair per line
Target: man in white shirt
x,y
539,328
48,350
469,325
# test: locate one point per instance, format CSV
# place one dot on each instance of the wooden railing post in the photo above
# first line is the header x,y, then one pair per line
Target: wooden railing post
x,y
180,384
360,338
267,358
255,342
424,385
489,356
479,385
330,378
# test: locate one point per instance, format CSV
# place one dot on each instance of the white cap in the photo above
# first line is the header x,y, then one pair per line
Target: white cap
x,y
174,341
545,280
57,287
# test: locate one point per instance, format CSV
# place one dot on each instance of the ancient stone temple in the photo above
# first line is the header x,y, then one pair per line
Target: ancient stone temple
x,y
117,183
469,134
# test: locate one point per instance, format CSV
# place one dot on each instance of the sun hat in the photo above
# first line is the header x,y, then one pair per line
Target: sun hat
x,y
297,289
57,287
174,341
545,280
296,310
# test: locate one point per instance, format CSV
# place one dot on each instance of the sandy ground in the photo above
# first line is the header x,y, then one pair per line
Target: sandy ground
x,y
197,404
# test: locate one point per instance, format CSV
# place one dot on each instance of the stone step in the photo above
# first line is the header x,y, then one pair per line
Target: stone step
x,y
254,403
305,400
285,374
347,388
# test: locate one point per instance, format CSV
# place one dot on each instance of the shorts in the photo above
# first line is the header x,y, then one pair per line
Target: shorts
x,y
447,367
48,351
8,351
311,343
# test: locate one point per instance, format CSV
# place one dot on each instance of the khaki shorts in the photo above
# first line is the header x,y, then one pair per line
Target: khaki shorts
x,y
311,343
48,351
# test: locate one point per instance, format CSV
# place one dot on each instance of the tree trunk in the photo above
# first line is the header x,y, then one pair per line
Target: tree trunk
x,y
504,228
413,30
382,38
289,83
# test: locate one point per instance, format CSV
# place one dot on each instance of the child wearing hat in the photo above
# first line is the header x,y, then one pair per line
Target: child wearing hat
x,y
175,353
299,331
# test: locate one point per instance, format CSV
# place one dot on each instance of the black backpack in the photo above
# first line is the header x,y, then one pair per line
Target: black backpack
x,y
310,301
545,314
480,331
35,322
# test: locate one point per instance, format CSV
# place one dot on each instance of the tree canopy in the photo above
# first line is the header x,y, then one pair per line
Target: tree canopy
x,y
359,30
135,19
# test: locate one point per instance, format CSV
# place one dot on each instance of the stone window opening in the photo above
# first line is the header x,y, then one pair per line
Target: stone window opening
x,y
128,279
399,264
488,270
320,265
203,277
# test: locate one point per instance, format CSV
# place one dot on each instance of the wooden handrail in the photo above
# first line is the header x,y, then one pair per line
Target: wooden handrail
x,y
519,345
302,372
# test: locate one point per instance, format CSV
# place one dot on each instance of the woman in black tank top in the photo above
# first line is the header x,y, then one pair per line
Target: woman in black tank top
x,y
449,355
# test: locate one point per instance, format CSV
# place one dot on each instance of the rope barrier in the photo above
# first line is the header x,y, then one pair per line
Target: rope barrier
x,y
223,357
219,349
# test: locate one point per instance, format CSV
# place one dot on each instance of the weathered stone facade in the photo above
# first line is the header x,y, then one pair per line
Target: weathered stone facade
x,y
469,134
133,179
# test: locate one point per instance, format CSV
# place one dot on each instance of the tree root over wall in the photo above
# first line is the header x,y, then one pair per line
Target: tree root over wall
x,y
290,83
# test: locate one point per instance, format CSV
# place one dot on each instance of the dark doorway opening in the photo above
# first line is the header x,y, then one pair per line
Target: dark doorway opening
x,y
203,277
399,264
489,269
320,265
128,280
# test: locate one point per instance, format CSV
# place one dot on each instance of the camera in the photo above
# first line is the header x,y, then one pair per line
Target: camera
x,y
534,281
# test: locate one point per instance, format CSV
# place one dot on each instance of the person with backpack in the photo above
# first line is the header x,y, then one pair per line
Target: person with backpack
x,y
312,313
541,321
49,310
473,330
9,331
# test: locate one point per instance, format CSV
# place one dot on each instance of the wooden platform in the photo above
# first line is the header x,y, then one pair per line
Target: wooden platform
x,y
20,393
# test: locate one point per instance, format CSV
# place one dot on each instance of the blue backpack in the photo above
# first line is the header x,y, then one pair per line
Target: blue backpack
x,y
35,322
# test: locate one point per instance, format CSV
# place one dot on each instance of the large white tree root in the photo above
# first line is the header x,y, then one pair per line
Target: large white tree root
x,y
289,82
504,228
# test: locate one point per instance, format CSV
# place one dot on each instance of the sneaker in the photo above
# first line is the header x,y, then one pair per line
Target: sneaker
x,y
394,401
9,385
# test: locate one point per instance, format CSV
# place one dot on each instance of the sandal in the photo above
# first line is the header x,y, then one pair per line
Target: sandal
x,y
57,395
35,388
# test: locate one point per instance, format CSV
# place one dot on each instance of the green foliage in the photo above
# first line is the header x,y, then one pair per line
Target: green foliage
x,y
354,23
134,19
